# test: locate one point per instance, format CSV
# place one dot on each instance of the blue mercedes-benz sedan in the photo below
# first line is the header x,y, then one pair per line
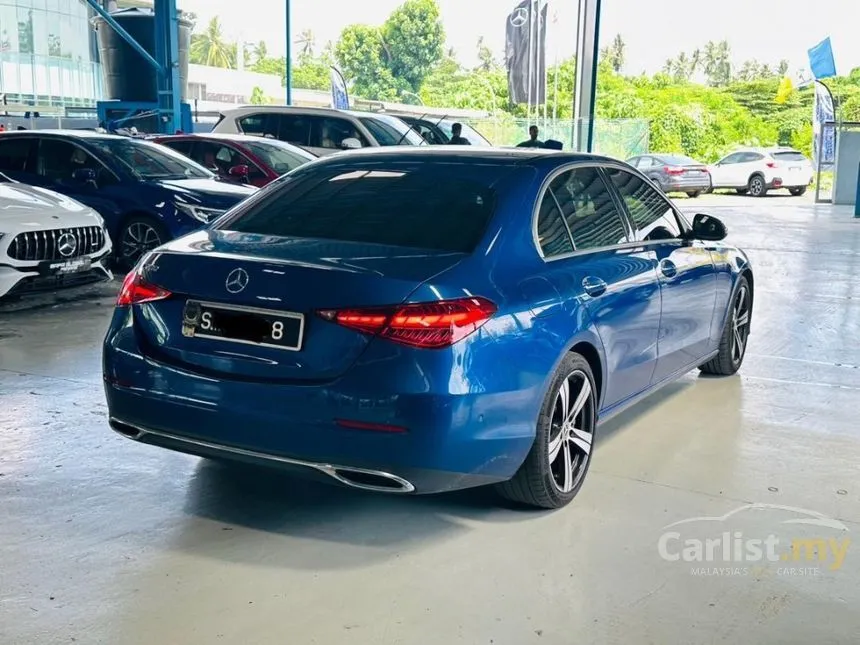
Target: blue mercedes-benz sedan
x,y
146,193
425,319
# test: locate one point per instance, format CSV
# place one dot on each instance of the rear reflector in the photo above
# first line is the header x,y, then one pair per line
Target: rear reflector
x,y
135,290
426,324
364,425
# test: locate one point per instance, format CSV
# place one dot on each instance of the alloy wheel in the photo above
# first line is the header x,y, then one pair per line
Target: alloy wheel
x,y
756,186
572,431
138,239
740,324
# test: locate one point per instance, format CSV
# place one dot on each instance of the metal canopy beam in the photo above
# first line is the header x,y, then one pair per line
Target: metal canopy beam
x,y
587,42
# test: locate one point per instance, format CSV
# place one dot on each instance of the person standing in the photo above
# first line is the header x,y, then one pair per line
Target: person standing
x,y
456,136
533,141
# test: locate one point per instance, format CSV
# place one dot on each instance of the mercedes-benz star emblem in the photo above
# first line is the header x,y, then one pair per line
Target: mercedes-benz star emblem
x,y
520,17
237,280
67,244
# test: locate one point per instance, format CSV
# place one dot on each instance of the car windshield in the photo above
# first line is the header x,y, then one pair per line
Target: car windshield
x,y
149,161
389,131
443,208
469,133
279,157
679,160
789,155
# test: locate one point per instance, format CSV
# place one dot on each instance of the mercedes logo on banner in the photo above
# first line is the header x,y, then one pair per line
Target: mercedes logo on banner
x,y
237,280
519,17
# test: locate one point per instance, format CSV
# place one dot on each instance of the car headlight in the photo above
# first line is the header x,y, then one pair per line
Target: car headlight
x,y
200,213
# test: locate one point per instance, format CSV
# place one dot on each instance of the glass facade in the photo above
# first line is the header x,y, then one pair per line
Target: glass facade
x,y
46,53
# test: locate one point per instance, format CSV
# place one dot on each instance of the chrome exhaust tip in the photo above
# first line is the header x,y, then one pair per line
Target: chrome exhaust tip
x,y
372,480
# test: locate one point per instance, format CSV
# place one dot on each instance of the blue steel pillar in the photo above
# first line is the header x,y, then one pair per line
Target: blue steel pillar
x,y
167,54
587,42
289,67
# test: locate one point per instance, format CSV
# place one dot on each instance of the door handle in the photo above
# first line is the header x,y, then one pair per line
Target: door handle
x,y
593,286
668,268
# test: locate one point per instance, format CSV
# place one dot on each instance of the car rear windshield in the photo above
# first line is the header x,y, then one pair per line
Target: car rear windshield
x,y
791,155
440,207
679,160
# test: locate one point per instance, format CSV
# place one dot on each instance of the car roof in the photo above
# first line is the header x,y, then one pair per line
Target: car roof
x,y
75,134
486,154
286,109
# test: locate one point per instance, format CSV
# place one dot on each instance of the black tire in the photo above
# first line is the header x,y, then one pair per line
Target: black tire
x,y
797,192
729,360
756,186
537,481
692,194
127,250
741,191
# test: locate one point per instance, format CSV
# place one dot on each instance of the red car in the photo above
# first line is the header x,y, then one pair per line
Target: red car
x,y
238,157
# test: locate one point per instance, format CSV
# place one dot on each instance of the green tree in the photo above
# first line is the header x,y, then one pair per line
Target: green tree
x,y
413,40
718,65
210,48
361,56
487,62
306,43
614,54
258,97
260,52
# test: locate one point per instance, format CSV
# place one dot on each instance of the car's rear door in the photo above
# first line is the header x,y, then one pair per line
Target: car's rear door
x,y
585,242
688,282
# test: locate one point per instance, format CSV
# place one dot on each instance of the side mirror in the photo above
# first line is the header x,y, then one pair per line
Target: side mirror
x,y
84,176
708,228
240,172
350,143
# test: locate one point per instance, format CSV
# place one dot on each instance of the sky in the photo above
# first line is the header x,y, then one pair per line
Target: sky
x,y
654,30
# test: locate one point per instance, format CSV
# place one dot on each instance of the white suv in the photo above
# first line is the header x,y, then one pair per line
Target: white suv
x,y
322,131
758,171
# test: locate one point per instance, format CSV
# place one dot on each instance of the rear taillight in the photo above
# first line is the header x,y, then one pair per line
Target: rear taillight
x,y
772,164
674,170
135,290
426,324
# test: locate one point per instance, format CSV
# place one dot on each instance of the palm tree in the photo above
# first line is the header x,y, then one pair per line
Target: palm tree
x,y
260,51
306,42
617,51
210,48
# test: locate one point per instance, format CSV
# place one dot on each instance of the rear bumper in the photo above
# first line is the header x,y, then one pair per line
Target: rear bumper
x,y
688,185
445,440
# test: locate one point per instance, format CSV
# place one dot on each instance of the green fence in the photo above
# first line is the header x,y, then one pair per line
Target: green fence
x,y
620,138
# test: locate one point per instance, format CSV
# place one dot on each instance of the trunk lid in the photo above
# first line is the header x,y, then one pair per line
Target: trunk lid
x,y
286,275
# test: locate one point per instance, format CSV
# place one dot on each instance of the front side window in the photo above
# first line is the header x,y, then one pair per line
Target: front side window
x,y
588,209
652,216
330,133
58,160
446,208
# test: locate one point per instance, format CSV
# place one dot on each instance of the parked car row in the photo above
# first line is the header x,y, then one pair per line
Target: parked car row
x,y
754,171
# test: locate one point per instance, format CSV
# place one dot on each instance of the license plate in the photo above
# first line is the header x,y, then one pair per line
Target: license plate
x,y
247,325
794,168
72,266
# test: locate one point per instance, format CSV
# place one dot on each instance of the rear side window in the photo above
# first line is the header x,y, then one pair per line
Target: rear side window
x,y
553,236
182,147
14,153
653,218
588,209
443,207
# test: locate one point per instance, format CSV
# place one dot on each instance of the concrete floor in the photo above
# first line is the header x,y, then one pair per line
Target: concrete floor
x,y
106,541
